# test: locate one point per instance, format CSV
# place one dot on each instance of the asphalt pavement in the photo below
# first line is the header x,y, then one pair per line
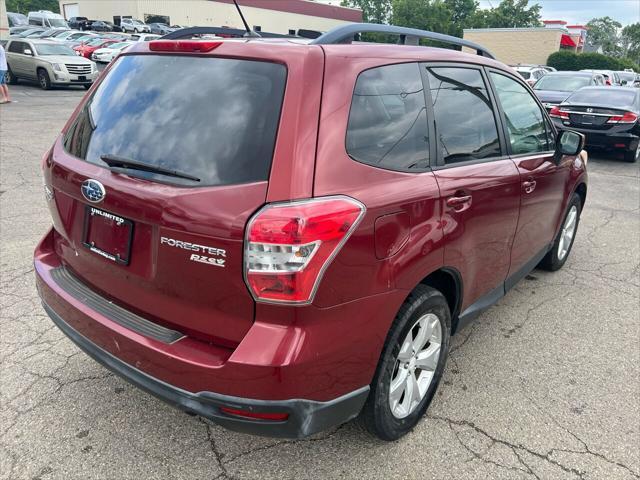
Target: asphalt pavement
x,y
544,385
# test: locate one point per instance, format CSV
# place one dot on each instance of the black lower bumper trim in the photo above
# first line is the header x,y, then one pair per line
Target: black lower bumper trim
x,y
306,417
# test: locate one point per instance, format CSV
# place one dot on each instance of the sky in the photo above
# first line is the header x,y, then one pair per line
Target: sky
x,y
575,11
581,11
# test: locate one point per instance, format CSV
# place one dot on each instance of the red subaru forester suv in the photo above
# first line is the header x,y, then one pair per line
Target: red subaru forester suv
x,y
281,235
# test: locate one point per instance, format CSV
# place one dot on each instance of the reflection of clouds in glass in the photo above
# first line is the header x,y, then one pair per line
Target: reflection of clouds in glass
x,y
214,118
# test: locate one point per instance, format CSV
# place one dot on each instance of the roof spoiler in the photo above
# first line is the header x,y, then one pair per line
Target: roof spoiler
x,y
408,36
191,32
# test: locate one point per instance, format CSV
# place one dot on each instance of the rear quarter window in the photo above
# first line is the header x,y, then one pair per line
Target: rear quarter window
x,y
387,121
213,118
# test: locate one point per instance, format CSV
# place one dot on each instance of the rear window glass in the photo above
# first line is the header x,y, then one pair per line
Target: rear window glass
x,y
562,83
215,119
606,96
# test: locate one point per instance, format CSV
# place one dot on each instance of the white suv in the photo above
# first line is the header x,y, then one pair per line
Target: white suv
x,y
531,74
134,26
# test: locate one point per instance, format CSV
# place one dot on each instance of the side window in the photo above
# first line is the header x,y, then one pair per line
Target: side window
x,y
524,118
465,123
16,47
388,122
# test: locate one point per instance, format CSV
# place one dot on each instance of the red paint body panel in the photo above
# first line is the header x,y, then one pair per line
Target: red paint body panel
x,y
541,209
478,238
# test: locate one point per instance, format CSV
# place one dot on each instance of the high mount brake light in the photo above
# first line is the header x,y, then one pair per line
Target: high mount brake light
x,y
628,117
288,246
557,113
182,46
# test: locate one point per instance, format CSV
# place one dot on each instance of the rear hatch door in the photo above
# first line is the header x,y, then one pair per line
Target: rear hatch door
x,y
160,229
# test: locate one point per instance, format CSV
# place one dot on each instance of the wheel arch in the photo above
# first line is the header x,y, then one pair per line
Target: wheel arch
x,y
581,190
447,280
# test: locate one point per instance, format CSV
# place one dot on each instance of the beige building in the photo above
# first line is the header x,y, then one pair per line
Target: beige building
x,y
529,45
276,16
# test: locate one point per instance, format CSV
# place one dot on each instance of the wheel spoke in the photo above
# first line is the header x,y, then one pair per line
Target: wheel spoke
x,y
398,386
424,334
406,349
428,359
571,221
415,391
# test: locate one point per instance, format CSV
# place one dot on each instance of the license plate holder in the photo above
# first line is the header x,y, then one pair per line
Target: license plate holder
x,y
82,78
108,235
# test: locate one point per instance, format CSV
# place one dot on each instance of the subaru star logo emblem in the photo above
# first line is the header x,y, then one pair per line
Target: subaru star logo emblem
x,y
93,190
589,110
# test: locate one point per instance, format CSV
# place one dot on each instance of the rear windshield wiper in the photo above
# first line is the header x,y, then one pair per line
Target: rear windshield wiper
x,y
122,162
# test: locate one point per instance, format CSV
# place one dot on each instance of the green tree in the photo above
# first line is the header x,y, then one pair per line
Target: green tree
x,y
604,31
510,13
462,12
630,40
433,15
373,11
26,6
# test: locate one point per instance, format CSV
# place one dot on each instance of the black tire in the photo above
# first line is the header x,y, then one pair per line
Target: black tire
x,y
551,261
376,415
43,79
10,78
632,155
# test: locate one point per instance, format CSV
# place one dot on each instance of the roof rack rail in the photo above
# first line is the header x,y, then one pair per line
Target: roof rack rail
x,y
408,36
190,32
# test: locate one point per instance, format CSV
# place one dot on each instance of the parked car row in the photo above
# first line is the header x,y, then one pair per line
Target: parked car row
x,y
45,19
597,103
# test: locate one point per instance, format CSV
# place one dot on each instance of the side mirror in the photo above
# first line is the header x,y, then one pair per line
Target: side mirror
x,y
27,51
570,143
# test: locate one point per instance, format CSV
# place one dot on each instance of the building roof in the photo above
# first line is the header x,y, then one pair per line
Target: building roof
x,y
517,29
304,7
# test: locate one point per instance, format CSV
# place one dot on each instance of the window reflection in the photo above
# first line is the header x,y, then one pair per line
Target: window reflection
x,y
465,124
213,118
388,121
525,121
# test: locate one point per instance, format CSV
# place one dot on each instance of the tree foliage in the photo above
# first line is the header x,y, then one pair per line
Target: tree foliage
x,y
373,11
26,6
630,40
566,60
509,14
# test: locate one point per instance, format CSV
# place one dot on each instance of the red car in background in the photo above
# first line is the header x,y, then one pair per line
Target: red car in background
x,y
86,49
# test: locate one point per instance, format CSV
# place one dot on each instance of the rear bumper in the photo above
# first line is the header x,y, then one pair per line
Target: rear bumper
x,y
317,368
305,416
601,139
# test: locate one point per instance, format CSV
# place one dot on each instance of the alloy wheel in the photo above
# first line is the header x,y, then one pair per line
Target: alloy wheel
x,y
568,230
415,365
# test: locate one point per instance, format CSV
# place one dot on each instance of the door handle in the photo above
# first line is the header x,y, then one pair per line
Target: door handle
x,y
459,203
529,186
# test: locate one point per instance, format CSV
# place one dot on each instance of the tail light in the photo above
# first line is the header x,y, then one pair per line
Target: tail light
x,y
628,117
272,416
288,246
607,82
557,113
